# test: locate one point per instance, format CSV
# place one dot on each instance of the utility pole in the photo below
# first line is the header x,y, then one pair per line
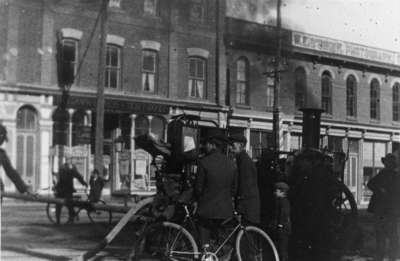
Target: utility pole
x,y
277,78
99,140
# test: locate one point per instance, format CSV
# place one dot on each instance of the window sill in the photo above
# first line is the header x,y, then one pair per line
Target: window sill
x,y
243,106
396,123
326,116
351,118
373,121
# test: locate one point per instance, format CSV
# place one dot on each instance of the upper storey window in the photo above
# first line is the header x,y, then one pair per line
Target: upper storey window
x,y
150,7
374,100
326,92
68,61
197,10
197,77
149,70
242,81
351,96
300,87
113,66
396,101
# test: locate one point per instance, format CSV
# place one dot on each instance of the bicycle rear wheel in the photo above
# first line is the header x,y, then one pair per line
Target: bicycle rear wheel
x,y
97,216
254,244
165,241
51,213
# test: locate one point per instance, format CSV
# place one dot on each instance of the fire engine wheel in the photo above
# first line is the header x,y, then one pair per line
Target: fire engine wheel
x,y
345,205
254,244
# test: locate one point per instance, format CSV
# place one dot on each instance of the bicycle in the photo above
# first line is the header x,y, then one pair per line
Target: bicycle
x,y
165,240
94,215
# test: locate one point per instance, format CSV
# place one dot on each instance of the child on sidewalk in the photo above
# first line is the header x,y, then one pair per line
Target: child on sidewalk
x,y
281,225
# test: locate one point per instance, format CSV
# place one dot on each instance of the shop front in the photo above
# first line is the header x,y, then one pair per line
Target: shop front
x,y
127,168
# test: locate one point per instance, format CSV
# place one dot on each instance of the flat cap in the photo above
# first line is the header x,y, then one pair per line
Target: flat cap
x,y
282,186
238,138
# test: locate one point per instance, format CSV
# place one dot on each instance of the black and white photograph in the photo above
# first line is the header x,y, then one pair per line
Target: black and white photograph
x,y
200,130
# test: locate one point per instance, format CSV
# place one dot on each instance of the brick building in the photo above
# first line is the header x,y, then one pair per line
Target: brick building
x,y
357,87
170,57
161,61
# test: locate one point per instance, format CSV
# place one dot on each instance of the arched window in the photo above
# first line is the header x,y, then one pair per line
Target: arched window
x,y
351,96
396,101
242,81
300,87
141,125
374,100
27,131
326,92
26,118
157,127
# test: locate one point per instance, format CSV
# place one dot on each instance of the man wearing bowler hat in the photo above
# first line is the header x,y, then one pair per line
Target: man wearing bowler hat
x,y
385,206
214,188
248,198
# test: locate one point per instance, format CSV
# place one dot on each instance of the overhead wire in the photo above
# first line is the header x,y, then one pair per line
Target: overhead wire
x,y
89,42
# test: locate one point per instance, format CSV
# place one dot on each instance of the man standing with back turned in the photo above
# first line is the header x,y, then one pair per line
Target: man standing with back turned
x,y
248,198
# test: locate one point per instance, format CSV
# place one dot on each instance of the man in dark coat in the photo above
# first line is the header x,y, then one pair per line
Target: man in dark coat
x,y
248,198
214,189
65,188
11,173
96,186
385,205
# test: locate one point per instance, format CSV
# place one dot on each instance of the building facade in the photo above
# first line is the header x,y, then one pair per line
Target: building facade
x,y
356,86
165,58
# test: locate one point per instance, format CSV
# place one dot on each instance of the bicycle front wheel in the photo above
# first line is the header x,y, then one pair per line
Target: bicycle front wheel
x,y
100,216
253,243
165,241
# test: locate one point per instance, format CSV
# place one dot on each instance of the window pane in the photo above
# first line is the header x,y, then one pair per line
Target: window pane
x,y
141,125
20,154
157,127
113,79
199,90
192,68
69,50
380,152
148,82
241,70
114,53
29,156
150,7
200,69
149,61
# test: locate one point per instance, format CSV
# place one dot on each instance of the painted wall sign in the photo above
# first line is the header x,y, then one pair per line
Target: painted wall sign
x,y
324,44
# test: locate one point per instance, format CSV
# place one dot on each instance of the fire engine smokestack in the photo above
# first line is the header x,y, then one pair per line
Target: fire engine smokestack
x,y
311,127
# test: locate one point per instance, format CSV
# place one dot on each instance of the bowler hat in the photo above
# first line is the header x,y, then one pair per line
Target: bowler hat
x,y
238,138
389,156
282,186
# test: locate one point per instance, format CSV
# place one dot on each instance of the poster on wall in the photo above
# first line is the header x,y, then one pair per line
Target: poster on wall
x,y
124,171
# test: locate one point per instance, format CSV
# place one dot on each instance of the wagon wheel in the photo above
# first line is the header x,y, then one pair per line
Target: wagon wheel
x,y
343,223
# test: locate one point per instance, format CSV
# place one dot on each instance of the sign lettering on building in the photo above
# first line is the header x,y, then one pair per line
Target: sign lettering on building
x,y
324,44
113,105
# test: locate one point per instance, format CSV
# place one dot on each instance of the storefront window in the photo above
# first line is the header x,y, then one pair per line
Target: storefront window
x,y
335,143
259,139
141,125
372,154
157,127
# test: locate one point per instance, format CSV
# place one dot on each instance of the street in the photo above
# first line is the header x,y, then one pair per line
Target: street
x,y
27,234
